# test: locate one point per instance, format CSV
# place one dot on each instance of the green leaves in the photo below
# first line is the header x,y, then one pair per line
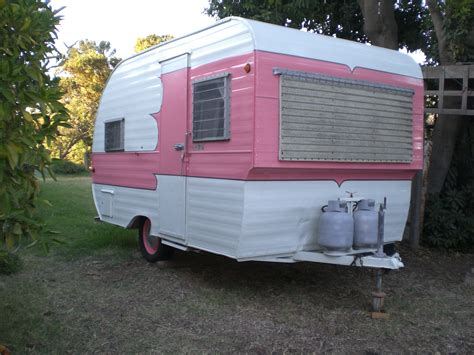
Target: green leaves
x,y
26,24
30,113
12,154
86,69
143,43
459,29
449,219
7,94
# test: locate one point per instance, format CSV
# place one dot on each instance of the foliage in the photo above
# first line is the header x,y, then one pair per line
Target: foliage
x,y
414,26
30,112
340,18
143,43
84,72
449,220
59,166
459,29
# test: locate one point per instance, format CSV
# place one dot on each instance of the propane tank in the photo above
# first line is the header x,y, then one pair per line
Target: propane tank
x,y
365,225
336,228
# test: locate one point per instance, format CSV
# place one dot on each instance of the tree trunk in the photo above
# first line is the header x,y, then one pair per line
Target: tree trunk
x,y
447,127
445,55
379,22
446,131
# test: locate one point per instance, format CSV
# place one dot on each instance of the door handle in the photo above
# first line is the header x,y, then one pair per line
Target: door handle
x,y
179,146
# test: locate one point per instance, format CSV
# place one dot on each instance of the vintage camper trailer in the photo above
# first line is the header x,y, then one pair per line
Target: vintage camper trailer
x,y
232,139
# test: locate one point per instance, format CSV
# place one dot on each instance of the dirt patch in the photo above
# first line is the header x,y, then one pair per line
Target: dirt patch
x,y
207,303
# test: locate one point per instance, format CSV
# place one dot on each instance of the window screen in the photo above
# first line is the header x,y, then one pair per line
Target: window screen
x,y
114,135
211,109
325,118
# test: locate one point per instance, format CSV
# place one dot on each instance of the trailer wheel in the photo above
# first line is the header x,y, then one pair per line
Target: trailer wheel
x,y
151,247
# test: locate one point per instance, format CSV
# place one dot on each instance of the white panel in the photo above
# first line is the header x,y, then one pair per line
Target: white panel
x,y
214,214
175,63
106,202
128,203
134,92
171,213
281,217
279,39
253,219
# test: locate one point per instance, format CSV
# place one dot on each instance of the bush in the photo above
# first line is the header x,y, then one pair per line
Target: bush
x,y
30,113
449,220
59,166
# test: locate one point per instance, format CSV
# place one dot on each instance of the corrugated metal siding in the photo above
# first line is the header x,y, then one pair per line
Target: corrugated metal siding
x,y
281,217
125,204
214,209
333,119
248,219
133,92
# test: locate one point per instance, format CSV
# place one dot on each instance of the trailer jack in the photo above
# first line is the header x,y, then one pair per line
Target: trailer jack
x,y
378,296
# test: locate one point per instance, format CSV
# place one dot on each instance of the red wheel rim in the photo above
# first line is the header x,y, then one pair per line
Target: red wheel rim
x,y
151,243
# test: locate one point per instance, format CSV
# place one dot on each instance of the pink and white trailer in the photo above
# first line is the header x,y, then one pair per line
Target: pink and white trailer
x,y
232,138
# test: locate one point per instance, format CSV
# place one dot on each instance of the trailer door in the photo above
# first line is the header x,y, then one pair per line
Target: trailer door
x,y
173,121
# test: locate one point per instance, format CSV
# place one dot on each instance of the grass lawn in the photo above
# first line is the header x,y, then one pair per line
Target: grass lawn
x,y
95,294
71,220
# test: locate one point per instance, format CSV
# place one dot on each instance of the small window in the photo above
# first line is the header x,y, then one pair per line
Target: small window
x,y
211,109
114,135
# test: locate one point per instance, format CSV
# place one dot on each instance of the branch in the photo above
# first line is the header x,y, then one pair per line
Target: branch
x,y
437,17
72,142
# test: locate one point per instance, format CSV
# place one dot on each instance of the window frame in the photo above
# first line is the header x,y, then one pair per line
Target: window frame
x,y
227,81
122,136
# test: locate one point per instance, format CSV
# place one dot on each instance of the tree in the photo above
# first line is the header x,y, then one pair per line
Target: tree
x,y
143,43
453,24
30,113
382,23
83,75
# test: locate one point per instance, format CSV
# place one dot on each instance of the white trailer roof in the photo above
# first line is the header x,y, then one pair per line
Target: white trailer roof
x,y
234,36
284,40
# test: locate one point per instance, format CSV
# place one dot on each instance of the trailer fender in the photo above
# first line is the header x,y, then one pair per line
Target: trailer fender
x,y
136,222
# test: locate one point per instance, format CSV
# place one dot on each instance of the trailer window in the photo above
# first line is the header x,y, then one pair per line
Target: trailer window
x,y
211,109
325,118
114,132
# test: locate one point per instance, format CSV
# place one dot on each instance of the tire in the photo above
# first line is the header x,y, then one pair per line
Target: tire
x,y
152,248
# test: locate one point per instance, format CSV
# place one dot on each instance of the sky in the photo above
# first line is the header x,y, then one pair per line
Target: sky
x,y
121,22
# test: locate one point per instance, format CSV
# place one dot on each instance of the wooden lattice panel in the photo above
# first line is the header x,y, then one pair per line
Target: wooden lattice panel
x,y
449,89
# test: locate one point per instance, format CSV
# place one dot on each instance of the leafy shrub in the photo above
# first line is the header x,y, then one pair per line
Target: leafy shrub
x,y
449,220
30,113
59,166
